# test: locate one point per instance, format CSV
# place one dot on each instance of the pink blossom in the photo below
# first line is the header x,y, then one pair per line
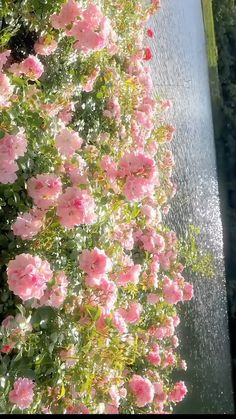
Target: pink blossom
x,y
28,275
130,275
68,356
172,293
152,299
31,67
81,409
67,142
45,45
178,393
110,409
91,79
28,224
150,33
6,90
55,295
119,322
45,190
75,207
68,14
187,292
124,234
183,365
142,390
13,146
4,57
8,169
113,109
22,393
77,170
154,357
95,262
132,314
66,113
147,54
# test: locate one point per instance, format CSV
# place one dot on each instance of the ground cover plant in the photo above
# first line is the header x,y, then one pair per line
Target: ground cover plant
x,y
90,273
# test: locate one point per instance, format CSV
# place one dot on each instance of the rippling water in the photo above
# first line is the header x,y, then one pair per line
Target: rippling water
x,y
180,73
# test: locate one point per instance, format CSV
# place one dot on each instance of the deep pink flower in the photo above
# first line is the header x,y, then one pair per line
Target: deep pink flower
x,y
147,54
22,393
150,33
178,393
28,275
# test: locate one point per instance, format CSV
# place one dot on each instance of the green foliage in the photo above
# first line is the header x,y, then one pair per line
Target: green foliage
x,y
192,255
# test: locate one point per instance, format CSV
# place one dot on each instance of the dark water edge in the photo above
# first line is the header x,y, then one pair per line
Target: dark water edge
x,y
180,73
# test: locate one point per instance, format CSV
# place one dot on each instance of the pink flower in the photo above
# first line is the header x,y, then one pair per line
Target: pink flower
x,y
28,224
55,295
13,146
94,262
67,142
110,409
45,190
28,275
178,393
31,67
68,356
45,45
154,356
4,57
8,169
187,292
119,322
75,207
152,299
132,314
142,390
172,293
113,109
183,365
22,393
130,275
68,14
66,114
6,90
91,79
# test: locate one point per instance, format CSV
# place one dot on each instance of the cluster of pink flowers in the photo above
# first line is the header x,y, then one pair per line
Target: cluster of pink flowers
x,y
45,190
90,28
28,224
11,148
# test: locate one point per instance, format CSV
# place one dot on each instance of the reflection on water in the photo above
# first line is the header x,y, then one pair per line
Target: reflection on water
x,y
180,73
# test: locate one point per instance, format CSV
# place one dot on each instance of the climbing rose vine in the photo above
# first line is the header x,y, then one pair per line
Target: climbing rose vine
x,y
90,273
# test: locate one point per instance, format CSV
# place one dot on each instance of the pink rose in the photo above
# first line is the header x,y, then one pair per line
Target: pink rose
x,y
45,45
22,393
142,389
178,393
67,142
131,274
28,275
94,262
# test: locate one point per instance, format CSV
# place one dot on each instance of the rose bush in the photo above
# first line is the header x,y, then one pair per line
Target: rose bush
x,y
91,276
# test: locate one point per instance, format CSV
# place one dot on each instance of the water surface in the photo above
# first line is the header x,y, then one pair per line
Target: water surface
x,y
180,73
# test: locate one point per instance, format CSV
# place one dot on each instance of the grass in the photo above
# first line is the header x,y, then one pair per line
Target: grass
x,y
212,52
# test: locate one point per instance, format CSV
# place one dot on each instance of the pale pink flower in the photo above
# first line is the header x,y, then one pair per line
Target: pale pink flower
x,y
91,79
187,292
67,142
152,299
183,365
110,409
28,224
45,45
22,393
132,313
68,356
55,295
119,322
28,275
95,262
31,67
13,146
75,207
66,113
6,90
142,390
45,190
68,14
130,275
4,57
172,293
178,393
113,109
154,356
8,169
